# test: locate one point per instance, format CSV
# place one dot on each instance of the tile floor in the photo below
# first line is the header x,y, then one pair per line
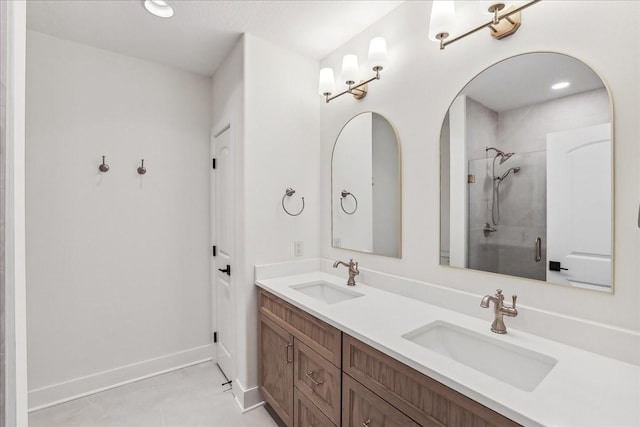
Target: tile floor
x,y
191,396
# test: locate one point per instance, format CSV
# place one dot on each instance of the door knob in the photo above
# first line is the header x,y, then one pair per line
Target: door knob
x,y
226,270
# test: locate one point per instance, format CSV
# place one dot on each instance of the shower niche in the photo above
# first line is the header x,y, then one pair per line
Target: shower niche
x,y
526,173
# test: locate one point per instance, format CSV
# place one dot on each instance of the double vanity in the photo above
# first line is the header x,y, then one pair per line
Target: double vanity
x,y
338,355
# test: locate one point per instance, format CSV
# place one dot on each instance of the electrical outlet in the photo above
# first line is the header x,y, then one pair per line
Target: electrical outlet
x,y
298,248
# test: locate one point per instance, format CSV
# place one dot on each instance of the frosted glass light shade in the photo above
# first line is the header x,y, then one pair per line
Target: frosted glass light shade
x,y
443,15
350,68
378,53
327,83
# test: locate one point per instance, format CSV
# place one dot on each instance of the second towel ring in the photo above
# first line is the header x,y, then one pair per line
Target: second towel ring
x,y
288,193
344,194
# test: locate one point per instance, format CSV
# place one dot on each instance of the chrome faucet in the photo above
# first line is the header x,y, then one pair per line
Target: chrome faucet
x,y
499,310
353,270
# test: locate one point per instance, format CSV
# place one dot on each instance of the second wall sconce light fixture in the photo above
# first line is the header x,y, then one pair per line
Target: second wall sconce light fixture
x,y
350,71
506,20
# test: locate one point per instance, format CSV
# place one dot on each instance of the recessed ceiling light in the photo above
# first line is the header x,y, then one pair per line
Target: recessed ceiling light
x,y
159,8
560,85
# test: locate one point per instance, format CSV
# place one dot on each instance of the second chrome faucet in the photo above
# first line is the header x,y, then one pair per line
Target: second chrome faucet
x,y
353,270
499,310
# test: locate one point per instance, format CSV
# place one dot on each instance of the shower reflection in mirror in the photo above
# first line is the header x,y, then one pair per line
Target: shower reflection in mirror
x,y
526,163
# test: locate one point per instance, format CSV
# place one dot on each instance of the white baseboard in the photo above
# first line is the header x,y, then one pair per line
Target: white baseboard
x,y
54,394
246,398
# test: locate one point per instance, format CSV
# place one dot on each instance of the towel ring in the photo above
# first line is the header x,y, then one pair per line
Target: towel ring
x,y
345,193
288,193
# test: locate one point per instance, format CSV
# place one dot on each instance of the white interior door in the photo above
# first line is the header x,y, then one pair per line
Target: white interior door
x,y
579,206
222,180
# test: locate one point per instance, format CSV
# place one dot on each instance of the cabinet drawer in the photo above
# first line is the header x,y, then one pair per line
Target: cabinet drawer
x,y
362,408
318,380
306,414
323,338
425,400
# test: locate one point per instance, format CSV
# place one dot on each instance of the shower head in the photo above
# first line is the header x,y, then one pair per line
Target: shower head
x,y
506,174
504,157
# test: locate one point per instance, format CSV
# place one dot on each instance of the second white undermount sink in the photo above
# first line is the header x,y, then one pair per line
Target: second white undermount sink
x,y
326,292
512,364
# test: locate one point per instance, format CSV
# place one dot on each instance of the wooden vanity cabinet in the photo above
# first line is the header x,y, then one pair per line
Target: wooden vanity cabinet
x,y
299,364
423,399
312,374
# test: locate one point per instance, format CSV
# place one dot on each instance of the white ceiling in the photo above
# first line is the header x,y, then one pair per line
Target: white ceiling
x,y
527,79
202,32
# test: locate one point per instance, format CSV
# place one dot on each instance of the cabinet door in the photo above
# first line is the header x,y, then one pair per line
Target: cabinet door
x,y
276,368
362,408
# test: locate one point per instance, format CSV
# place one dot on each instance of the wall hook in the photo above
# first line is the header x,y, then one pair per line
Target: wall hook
x,y
288,193
141,169
344,195
103,167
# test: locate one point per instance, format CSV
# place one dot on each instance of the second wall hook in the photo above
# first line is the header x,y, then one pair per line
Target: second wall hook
x,y
141,169
103,167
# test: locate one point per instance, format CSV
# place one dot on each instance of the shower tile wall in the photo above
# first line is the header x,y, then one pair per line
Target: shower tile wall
x,y
511,249
525,129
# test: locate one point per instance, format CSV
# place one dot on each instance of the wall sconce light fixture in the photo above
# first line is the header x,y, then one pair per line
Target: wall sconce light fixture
x,y
506,20
350,71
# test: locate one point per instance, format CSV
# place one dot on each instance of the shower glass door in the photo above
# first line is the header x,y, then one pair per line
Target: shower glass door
x,y
507,216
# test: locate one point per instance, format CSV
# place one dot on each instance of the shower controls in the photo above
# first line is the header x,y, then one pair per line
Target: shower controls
x,y
555,266
488,229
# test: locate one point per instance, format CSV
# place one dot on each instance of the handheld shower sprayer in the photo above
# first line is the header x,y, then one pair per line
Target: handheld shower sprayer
x,y
507,173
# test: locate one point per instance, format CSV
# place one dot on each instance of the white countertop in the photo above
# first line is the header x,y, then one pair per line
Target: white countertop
x,y
582,389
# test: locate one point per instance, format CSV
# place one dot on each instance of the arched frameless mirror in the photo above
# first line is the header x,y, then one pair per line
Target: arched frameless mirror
x,y
526,173
366,191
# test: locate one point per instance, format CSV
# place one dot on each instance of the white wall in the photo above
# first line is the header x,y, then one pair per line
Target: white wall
x,y
271,94
15,298
281,150
415,92
117,263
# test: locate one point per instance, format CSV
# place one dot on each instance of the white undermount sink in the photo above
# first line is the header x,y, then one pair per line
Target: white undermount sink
x,y
514,365
326,292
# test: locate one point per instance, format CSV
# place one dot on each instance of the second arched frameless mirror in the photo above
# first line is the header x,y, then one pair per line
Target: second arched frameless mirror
x,y
366,192
526,173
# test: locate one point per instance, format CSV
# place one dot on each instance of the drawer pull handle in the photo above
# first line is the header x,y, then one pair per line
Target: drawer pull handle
x,y
366,423
313,380
286,350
